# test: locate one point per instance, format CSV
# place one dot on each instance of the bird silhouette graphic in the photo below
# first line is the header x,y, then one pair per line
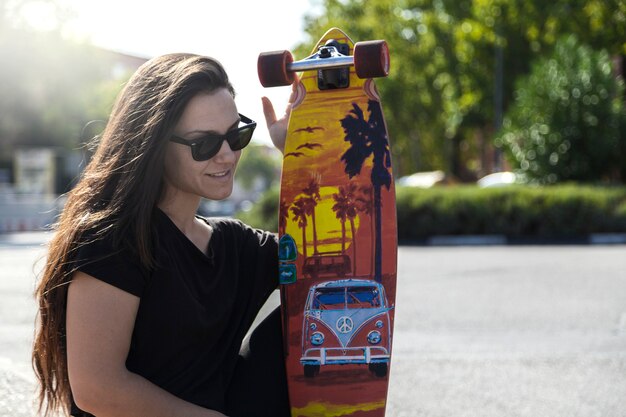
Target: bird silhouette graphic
x,y
295,154
309,129
310,146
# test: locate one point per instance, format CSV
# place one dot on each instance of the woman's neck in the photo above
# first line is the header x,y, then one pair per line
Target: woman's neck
x,y
183,215
182,212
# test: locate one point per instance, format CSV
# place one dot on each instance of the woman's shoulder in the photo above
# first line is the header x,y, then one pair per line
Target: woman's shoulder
x,y
94,243
101,256
235,228
98,245
225,223
226,227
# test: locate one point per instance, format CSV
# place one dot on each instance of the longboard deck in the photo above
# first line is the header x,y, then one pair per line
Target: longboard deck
x,y
338,249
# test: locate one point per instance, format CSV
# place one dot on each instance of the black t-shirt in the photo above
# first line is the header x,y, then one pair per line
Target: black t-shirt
x,y
194,309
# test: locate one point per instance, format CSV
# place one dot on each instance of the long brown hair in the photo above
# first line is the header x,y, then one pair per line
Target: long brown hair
x,y
116,196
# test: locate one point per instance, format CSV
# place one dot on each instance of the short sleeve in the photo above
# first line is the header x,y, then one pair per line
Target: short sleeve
x,y
267,258
260,262
258,257
100,259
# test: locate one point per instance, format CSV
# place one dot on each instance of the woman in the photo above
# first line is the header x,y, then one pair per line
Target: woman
x,y
143,306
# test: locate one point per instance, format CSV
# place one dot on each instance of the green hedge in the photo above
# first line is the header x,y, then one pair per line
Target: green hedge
x,y
563,211
264,213
519,211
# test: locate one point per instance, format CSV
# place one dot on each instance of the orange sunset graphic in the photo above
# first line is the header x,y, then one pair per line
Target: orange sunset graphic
x,y
337,227
320,209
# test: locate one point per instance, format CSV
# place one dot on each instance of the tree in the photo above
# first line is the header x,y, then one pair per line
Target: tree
x,y
51,87
440,97
258,163
565,124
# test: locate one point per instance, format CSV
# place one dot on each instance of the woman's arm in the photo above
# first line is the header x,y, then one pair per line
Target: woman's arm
x,y
100,321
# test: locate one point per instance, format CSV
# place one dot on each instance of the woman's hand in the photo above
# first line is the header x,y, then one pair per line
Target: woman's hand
x,y
278,127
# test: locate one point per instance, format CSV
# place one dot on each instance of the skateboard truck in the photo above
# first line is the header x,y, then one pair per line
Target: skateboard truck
x,y
328,79
370,60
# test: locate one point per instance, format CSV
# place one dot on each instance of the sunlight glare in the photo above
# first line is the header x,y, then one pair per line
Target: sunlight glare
x,y
233,32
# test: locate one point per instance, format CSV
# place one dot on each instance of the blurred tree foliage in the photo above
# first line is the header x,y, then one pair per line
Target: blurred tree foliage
x,y
50,87
567,121
258,163
560,212
440,96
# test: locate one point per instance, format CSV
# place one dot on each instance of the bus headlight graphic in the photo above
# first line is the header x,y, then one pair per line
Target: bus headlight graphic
x,y
374,337
317,339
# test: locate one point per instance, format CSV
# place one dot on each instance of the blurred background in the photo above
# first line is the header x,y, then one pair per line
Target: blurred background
x,y
482,94
507,124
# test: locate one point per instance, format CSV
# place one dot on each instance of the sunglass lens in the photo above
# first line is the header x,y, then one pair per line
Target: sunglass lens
x,y
206,149
241,140
210,146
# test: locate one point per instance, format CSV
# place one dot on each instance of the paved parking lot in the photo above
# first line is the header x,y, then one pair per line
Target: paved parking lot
x,y
511,331
480,331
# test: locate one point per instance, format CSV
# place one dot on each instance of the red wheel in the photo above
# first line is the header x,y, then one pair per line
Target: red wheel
x,y
371,59
272,68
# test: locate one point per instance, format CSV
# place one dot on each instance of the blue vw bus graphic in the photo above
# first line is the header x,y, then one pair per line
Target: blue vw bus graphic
x,y
346,322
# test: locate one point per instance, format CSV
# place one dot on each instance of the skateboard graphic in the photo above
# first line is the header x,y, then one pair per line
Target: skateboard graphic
x,y
337,229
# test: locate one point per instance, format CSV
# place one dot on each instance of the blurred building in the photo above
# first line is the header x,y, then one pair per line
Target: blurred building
x,y
35,171
122,63
30,189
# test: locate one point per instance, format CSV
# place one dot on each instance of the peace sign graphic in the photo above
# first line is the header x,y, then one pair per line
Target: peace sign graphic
x,y
344,324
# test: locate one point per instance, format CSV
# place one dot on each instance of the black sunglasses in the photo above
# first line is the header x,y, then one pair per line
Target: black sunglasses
x,y
208,146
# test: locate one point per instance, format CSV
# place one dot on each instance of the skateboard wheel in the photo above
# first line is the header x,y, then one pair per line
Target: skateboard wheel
x,y
272,68
371,59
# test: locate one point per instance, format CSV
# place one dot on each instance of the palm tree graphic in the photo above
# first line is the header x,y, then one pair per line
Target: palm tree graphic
x,y
369,138
283,213
299,210
312,193
365,204
345,208
340,208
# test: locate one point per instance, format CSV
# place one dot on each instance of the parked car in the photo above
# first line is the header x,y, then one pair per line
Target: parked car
x,y
346,322
498,179
422,179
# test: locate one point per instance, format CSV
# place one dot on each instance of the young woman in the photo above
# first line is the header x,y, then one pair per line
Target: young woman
x,y
143,306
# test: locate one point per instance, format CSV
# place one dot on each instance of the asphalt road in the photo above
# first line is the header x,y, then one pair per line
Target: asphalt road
x,y
510,331
480,331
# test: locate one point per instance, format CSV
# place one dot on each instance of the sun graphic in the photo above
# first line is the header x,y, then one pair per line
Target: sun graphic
x,y
328,228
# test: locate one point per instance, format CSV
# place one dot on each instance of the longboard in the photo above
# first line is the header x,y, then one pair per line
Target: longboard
x,y
337,230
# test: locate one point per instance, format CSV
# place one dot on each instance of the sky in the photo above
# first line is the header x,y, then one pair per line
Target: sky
x,y
232,31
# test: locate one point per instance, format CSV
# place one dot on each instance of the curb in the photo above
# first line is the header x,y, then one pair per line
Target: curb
x,y
469,240
607,239
502,240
